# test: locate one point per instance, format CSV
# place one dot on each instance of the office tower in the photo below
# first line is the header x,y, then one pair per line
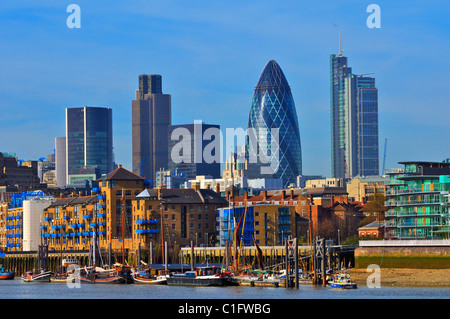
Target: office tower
x,y
151,117
60,161
273,108
354,121
191,160
89,143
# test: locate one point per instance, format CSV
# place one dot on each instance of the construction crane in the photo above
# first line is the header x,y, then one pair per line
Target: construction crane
x,y
361,75
139,166
384,156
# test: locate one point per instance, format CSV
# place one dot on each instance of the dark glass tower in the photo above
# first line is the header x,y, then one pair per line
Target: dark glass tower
x,y
89,141
151,117
192,167
273,107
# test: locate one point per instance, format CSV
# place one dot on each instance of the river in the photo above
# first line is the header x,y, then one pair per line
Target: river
x,y
17,289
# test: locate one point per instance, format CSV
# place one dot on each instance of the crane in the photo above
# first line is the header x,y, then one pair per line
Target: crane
x,y
361,75
138,167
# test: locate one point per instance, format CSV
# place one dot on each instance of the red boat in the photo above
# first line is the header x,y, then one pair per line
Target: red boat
x,y
4,275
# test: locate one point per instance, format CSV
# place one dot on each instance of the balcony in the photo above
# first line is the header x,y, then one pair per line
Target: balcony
x,y
146,231
146,222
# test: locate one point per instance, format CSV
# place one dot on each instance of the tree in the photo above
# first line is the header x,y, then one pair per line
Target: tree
x,y
376,206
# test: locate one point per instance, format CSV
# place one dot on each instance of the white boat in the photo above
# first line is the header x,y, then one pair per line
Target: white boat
x,y
342,281
38,275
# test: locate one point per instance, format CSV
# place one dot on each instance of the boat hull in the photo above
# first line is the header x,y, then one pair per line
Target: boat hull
x,y
150,281
42,277
92,279
184,281
7,275
342,286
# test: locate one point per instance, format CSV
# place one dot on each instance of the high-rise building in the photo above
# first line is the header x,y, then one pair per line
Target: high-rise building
x,y
273,108
60,161
354,121
89,143
151,117
193,162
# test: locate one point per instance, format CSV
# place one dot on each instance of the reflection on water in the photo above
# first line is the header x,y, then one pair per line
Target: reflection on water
x,y
17,289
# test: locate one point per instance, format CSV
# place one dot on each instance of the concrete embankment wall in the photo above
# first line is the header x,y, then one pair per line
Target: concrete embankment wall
x,y
408,256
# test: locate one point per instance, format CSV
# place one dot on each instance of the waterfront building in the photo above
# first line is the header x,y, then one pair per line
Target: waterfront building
x,y
151,117
354,121
333,215
325,182
89,143
124,208
187,143
417,201
17,175
273,108
188,215
220,185
266,224
15,216
70,222
361,188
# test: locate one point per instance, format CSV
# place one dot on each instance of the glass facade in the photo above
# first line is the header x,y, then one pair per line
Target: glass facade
x,y
354,122
89,140
228,219
273,108
418,204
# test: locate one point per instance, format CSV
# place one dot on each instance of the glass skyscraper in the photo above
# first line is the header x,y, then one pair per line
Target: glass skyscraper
x,y
354,121
89,142
273,108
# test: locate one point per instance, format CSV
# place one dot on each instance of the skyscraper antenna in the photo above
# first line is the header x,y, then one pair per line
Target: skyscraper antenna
x,y
340,44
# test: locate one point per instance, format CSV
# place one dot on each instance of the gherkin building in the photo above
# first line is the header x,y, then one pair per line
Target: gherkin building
x,y
273,108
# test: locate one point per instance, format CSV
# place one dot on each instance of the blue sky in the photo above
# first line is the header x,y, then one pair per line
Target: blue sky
x,y
210,54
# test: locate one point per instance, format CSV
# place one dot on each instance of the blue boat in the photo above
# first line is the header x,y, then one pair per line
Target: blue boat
x,y
4,275
342,281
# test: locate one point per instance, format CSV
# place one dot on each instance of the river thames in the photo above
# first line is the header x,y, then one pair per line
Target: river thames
x,y
17,289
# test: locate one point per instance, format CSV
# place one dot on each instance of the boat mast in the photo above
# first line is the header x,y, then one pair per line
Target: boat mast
x,y
123,228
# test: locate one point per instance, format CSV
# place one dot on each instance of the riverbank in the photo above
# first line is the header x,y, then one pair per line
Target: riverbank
x,y
402,277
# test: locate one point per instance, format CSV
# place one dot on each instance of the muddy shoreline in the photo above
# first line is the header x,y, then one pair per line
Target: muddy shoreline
x,y
402,277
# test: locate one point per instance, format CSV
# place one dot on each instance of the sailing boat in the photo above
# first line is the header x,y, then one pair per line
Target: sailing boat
x,y
40,274
96,275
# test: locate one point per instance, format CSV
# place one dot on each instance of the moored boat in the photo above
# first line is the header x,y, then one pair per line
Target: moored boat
x,y
5,275
145,277
204,276
342,281
68,267
37,275
97,275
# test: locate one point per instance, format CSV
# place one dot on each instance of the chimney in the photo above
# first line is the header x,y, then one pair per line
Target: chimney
x,y
292,194
264,194
332,200
246,195
218,188
196,186
160,193
283,194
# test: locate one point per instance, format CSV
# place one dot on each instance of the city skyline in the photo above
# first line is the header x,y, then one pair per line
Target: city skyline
x,y
70,63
